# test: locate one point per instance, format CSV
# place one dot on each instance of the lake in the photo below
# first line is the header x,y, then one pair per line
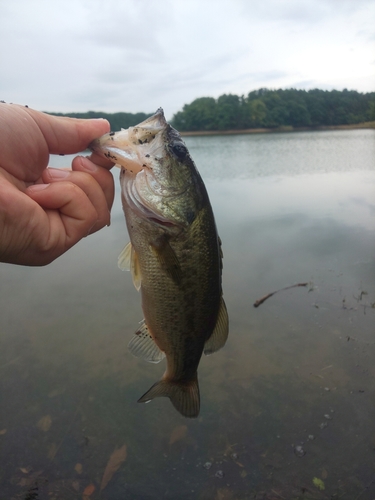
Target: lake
x,y
287,407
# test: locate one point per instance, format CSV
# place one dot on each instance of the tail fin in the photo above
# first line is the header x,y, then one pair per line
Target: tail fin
x,y
184,396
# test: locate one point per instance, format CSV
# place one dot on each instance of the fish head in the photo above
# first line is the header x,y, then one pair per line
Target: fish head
x,y
156,169
132,148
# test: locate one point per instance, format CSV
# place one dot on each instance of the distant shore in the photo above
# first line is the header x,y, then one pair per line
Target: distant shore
x,y
280,129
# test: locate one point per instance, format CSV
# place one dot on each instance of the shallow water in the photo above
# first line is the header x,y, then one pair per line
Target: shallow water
x,y
287,406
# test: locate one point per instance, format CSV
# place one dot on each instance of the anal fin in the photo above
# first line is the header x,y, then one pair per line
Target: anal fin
x,y
220,334
143,346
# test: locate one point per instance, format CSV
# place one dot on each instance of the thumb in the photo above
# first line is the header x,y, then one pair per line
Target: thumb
x,y
65,135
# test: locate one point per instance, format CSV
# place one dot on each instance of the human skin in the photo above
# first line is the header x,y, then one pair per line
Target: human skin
x,y
45,211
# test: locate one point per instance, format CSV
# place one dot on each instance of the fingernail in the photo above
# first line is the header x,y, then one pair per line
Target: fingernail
x,y
38,187
57,173
88,165
91,228
102,120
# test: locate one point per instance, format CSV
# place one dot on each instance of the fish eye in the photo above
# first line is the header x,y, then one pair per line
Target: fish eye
x,y
179,150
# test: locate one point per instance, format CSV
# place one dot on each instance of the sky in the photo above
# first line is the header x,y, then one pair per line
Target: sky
x,y
138,55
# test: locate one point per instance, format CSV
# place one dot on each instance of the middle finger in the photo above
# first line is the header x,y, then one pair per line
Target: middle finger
x,y
91,188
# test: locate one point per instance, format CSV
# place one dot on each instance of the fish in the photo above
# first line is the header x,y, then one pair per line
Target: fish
x,y
174,256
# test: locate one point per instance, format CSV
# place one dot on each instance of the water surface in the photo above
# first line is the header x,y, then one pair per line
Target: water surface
x,y
287,406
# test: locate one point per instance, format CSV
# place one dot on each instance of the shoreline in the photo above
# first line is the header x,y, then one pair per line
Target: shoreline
x,y
287,128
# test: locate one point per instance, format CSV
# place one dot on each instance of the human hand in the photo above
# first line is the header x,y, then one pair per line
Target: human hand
x,y
45,211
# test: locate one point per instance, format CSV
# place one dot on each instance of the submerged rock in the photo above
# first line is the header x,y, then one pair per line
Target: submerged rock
x,y
299,451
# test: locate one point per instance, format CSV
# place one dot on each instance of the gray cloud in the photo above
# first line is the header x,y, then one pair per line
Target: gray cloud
x,y
132,55
302,11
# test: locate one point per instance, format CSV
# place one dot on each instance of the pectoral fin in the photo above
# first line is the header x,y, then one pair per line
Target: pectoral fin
x,y
167,259
143,346
220,334
128,261
124,259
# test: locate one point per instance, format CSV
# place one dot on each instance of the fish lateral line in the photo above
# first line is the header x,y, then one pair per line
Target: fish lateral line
x,y
260,301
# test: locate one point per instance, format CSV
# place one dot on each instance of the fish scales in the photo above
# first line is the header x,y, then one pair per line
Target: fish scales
x,y
174,256
171,306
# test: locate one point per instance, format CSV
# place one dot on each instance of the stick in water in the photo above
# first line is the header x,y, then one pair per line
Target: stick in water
x,y
258,302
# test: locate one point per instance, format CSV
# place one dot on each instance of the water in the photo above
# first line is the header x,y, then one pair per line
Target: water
x,y
287,406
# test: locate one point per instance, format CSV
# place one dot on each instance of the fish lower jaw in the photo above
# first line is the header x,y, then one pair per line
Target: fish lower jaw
x,y
131,166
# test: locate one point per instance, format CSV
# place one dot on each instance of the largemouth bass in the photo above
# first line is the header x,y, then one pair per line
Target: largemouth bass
x,y
174,256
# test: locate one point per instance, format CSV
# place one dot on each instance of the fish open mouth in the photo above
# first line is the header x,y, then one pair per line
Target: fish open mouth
x,y
144,153
134,147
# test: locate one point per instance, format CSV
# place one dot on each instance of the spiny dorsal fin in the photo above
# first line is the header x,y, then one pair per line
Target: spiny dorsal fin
x,y
220,252
184,397
220,246
167,259
128,261
220,334
143,346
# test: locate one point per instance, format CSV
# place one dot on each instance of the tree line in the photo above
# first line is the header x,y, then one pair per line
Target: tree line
x,y
262,108
117,120
266,108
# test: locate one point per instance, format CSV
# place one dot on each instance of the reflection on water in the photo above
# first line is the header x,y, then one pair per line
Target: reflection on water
x,y
287,405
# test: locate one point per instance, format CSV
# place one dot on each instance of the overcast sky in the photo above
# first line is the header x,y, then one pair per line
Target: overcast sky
x,y
137,55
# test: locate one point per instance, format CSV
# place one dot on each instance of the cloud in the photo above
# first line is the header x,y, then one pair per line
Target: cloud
x,y
132,55
302,11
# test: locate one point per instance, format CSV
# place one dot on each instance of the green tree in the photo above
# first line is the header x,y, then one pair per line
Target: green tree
x,y
257,113
371,110
229,112
299,115
260,108
315,104
277,110
201,114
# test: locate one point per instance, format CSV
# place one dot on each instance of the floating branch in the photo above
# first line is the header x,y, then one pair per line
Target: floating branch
x,y
258,302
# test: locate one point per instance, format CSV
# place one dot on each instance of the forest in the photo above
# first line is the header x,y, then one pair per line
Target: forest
x,y
266,108
262,108
117,120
